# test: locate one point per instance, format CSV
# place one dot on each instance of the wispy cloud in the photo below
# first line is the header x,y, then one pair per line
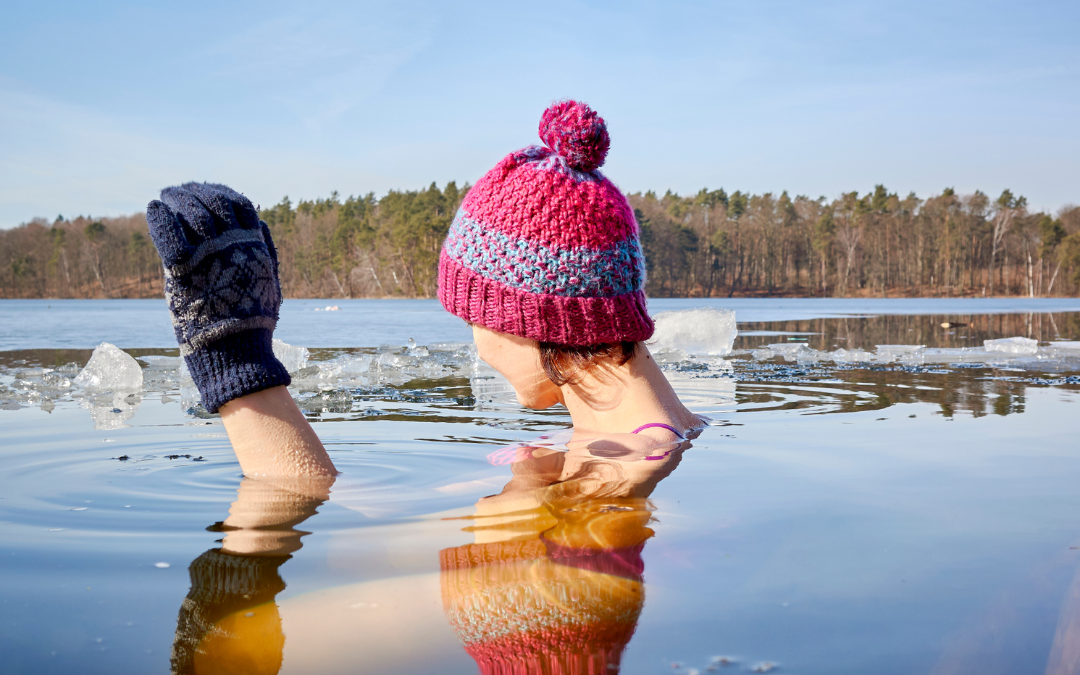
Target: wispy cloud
x,y
319,66
64,158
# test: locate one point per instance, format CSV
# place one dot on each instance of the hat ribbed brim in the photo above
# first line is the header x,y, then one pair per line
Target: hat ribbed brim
x,y
565,320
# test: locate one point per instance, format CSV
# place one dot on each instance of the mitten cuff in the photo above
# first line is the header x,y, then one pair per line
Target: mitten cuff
x,y
234,366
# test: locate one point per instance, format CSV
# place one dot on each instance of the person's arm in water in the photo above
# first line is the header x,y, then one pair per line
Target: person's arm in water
x,y
221,283
271,437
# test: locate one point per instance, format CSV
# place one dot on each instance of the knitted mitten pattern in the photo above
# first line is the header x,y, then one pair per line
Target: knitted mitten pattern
x,y
221,284
223,584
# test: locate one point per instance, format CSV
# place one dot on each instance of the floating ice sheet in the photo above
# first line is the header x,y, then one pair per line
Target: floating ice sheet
x,y
695,331
853,356
1065,346
1017,351
390,366
787,349
1014,345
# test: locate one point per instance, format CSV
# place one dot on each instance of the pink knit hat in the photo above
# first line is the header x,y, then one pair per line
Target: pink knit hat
x,y
545,247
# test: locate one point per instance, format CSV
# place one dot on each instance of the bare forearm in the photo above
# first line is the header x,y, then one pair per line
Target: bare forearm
x,y
271,437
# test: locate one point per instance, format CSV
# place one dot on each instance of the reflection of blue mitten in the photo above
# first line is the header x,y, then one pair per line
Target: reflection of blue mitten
x,y
221,283
223,585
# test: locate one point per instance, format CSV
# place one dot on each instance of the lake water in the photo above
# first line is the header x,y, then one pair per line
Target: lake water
x,y
910,508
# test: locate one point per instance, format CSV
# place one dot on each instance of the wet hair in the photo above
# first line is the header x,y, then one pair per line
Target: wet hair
x,y
566,364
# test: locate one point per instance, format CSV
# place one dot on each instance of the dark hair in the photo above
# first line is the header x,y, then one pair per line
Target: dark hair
x,y
565,364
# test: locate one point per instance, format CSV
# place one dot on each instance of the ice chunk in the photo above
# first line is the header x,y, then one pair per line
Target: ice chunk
x,y
164,362
898,350
909,354
956,355
852,356
695,331
190,399
1020,346
293,358
346,371
30,396
670,356
492,392
789,350
111,369
390,365
810,356
55,381
331,401
356,365
163,373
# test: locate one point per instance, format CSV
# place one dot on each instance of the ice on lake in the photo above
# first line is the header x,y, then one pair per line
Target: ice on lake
x,y
111,369
695,347
1014,345
1019,352
293,358
703,330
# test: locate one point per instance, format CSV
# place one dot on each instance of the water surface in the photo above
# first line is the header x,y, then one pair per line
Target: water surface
x,y
896,515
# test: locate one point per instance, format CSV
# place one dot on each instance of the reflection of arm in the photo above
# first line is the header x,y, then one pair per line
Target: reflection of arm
x,y
229,621
262,519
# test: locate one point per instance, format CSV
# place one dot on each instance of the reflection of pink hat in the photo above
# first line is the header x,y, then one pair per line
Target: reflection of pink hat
x,y
545,247
524,607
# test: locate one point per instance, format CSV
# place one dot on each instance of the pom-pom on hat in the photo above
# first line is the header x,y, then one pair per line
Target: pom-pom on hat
x,y
545,247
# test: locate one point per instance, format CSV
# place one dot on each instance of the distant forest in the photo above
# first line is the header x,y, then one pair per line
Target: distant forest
x,y
712,244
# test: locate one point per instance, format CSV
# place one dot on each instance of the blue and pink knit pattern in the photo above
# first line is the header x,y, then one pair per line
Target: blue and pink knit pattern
x,y
545,247
538,268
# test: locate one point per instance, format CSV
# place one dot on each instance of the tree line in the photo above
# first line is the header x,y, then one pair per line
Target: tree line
x,y
878,244
712,244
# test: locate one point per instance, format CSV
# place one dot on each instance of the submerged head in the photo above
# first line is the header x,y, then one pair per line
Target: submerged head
x,y
544,258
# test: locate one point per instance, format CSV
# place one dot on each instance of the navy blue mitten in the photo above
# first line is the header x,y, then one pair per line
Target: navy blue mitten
x,y
221,283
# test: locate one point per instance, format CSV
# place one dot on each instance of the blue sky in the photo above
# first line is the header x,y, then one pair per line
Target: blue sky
x,y
104,103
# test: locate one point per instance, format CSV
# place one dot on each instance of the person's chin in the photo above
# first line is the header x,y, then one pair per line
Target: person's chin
x,y
536,403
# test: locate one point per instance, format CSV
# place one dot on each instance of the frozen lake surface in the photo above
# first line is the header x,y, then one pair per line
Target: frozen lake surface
x,y
878,493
